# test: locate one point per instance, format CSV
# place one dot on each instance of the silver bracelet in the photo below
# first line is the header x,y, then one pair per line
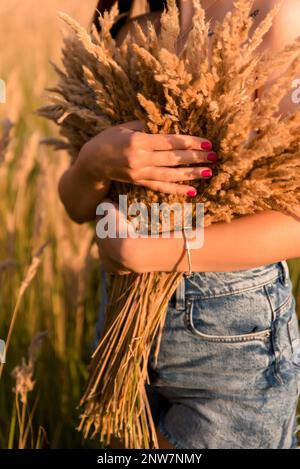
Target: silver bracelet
x,y
187,248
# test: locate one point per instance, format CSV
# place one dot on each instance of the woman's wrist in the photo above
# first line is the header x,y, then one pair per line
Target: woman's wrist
x,y
153,254
88,170
80,191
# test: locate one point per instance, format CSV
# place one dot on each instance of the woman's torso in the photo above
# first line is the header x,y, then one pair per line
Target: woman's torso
x,y
215,11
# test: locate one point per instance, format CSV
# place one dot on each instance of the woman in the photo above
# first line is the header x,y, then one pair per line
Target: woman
x,y
228,368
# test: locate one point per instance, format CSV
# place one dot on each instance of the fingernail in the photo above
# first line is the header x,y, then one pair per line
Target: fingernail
x,y
206,173
206,145
212,156
192,193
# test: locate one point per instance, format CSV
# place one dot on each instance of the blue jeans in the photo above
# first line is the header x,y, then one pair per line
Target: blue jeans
x,y
228,368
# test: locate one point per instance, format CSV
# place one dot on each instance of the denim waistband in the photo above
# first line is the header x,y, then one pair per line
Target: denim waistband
x,y
210,284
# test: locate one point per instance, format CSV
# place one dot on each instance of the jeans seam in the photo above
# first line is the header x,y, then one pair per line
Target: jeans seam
x,y
274,342
167,434
234,292
292,340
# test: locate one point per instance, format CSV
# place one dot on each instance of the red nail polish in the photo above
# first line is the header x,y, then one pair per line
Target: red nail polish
x,y
206,145
212,156
192,193
206,173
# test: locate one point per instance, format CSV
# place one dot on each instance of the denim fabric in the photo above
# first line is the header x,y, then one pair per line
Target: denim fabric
x,y
228,368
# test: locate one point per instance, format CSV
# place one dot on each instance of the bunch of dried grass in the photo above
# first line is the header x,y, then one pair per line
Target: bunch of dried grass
x,y
205,90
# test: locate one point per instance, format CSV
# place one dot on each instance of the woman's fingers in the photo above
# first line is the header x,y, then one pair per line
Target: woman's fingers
x,y
143,176
135,125
171,174
154,142
169,187
179,157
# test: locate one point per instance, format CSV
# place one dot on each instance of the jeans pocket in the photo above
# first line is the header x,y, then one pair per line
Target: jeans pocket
x,y
236,317
195,328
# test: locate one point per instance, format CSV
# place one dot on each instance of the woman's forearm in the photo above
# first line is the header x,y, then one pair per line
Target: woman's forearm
x,y
81,193
246,242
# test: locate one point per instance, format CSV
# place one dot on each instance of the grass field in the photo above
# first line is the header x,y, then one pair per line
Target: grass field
x,y
62,297
52,288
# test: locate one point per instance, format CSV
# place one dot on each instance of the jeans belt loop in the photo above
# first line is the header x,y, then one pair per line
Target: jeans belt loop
x,y
285,272
180,295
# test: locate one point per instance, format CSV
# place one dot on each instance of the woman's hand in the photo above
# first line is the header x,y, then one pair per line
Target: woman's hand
x,y
114,251
122,255
126,153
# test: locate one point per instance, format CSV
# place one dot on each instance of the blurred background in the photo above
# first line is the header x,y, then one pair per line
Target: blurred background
x,y
49,293
57,290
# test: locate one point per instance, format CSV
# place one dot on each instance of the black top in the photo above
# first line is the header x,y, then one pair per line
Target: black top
x,y
124,8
